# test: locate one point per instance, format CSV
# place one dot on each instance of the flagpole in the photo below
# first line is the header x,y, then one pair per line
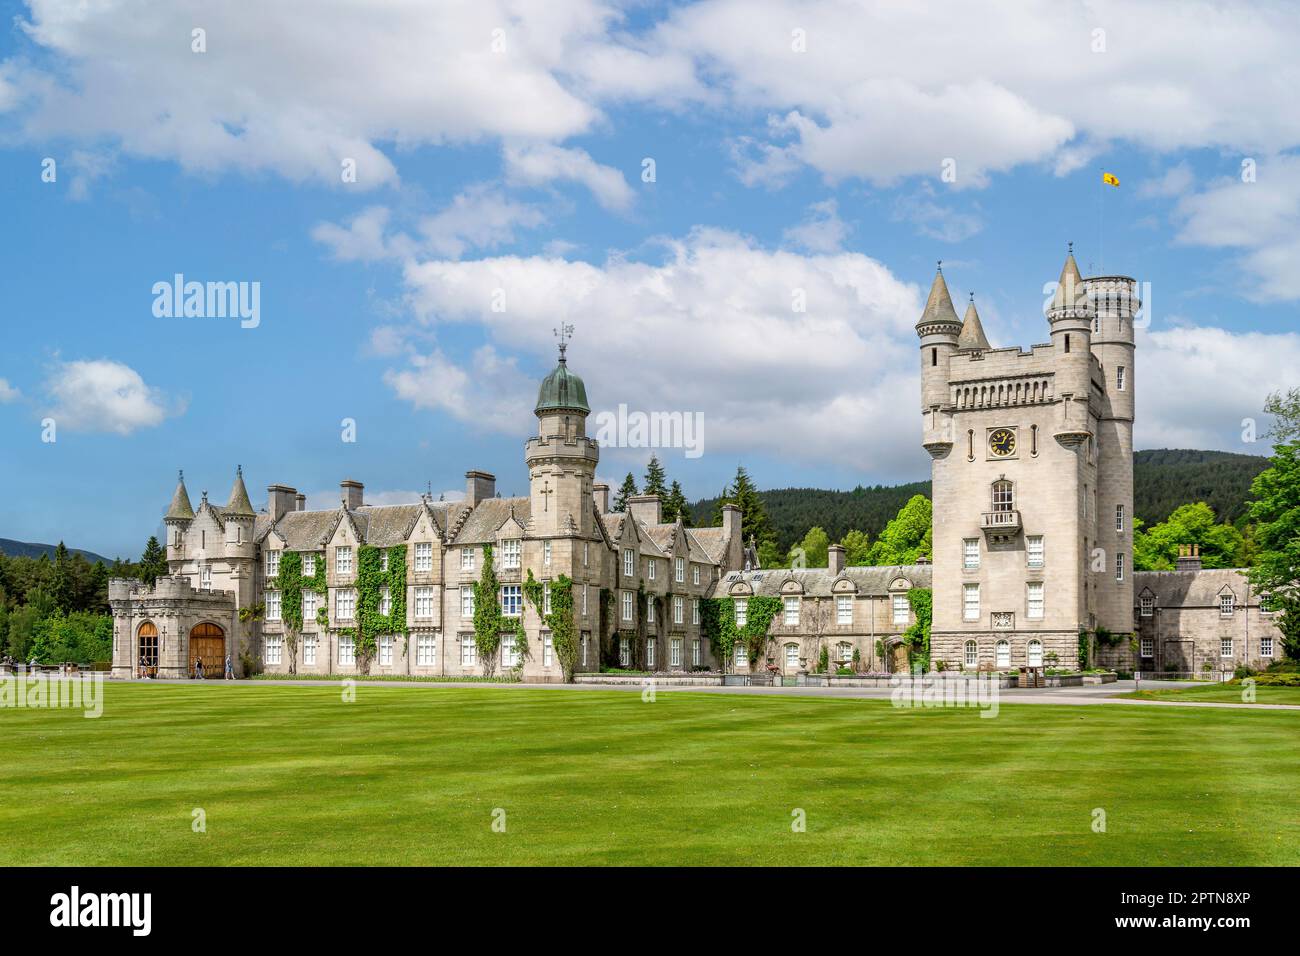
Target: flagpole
x,y
1101,232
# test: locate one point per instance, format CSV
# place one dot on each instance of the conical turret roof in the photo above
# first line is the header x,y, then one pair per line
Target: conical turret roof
x,y
180,507
972,330
239,503
1070,292
938,307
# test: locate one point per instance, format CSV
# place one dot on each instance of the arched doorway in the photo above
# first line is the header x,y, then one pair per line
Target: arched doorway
x,y
208,644
146,659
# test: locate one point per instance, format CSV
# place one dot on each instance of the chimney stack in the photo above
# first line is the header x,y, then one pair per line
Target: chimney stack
x,y
644,508
1189,557
479,486
300,502
835,559
351,493
280,501
600,491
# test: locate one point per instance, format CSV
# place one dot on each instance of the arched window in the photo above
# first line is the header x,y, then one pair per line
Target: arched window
x,y
1035,653
972,654
1004,498
1004,654
844,651
148,644
792,655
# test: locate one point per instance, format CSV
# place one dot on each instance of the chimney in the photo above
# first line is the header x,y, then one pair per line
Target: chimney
x,y
1189,557
600,491
300,502
351,493
644,508
835,559
280,501
731,535
479,486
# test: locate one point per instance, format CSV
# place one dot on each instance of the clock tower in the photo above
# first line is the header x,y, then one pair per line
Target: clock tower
x,y
1032,473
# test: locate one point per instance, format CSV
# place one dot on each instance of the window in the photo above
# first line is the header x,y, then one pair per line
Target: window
x,y
509,654
792,612
902,607
792,655
1004,498
426,650
274,648
1003,654
624,651
466,602
695,574
347,650
205,577
383,559
510,550
546,552
1225,647
1266,647
650,610
310,601
1034,605
468,651
742,657
742,612
272,563
343,559
586,552
467,559
424,602
675,652
546,597
548,649
385,601
650,568
1148,647
584,640
1119,566
1148,605
626,599
629,563
584,599
695,610
423,556
512,600
385,650
680,570
273,605
1096,323
970,548
345,604
309,650
1035,653
844,652
971,602
1119,517
695,652
1034,550
1119,377
843,609
650,652
1227,604
972,654
309,565
679,609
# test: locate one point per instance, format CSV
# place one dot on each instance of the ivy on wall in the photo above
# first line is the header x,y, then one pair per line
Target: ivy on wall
x,y
560,621
718,621
290,583
370,583
490,623
917,635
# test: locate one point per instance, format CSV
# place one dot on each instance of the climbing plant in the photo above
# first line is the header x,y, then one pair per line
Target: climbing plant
x,y
560,621
488,619
718,621
370,583
917,636
290,583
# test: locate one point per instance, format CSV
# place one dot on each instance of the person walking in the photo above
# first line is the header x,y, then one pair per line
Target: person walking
x,y
230,669
198,668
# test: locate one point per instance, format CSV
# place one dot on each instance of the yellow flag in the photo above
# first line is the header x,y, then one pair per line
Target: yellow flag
x,y
1110,179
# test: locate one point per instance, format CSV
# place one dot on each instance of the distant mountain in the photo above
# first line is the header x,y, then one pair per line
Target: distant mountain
x,y
1163,479
24,549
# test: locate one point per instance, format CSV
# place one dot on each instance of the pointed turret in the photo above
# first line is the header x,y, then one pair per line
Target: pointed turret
x,y
972,330
939,309
239,505
1071,294
180,509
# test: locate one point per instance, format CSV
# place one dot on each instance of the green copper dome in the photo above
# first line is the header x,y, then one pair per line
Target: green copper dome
x,y
562,391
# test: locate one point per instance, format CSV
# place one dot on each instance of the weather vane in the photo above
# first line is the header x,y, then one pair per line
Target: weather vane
x,y
564,333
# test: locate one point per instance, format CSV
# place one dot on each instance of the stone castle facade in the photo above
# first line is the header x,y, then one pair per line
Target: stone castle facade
x,y
1032,471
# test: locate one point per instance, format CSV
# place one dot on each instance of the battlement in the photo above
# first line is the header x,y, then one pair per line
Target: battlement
x,y
175,588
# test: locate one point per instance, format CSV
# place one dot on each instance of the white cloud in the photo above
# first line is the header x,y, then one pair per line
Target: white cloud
x,y
481,218
8,393
934,219
363,239
1176,181
538,165
101,395
1195,385
822,231
490,392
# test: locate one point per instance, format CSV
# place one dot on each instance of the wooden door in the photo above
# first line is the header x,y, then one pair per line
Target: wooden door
x,y
208,644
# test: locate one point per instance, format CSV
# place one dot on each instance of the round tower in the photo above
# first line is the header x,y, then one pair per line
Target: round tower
x,y
177,521
939,330
238,517
1115,304
1070,317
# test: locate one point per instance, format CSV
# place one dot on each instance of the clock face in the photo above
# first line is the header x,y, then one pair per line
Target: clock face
x,y
1003,442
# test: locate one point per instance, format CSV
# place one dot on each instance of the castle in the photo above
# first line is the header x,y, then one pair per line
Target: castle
x,y
1032,472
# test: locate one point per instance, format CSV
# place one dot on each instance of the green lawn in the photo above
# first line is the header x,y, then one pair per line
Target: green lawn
x,y
292,775
1222,693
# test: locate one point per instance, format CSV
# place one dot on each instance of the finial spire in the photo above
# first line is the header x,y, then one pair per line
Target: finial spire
x,y
564,333
938,267
1069,248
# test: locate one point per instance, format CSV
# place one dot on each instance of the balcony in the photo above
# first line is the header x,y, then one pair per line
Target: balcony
x,y
1000,522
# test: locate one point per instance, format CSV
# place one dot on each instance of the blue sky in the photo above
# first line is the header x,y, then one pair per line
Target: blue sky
x,y
519,168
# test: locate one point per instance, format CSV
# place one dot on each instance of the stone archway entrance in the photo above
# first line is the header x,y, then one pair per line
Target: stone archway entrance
x,y
208,644
898,658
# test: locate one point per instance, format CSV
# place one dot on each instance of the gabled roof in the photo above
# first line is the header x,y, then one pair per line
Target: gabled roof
x,y
481,526
711,541
819,582
1194,588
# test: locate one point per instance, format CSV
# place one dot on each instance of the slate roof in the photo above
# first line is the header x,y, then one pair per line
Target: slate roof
x,y
1193,588
489,515
817,582
711,541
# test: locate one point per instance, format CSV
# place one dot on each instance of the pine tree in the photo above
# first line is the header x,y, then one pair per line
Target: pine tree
x,y
62,584
753,513
626,490
676,506
153,563
655,478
